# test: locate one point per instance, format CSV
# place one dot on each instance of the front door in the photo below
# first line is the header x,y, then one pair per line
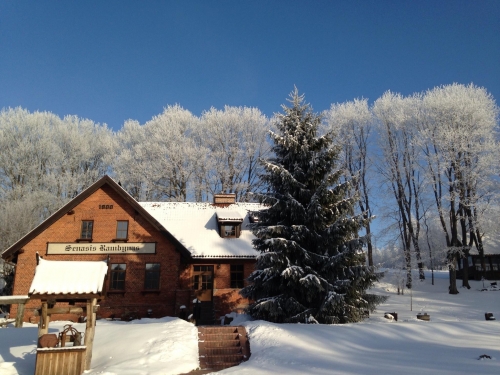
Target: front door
x,y
203,282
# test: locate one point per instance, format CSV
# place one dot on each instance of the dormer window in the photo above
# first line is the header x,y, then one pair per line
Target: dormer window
x,y
229,230
229,223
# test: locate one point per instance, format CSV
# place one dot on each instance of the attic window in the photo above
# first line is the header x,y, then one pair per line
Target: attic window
x,y
229,223
229,230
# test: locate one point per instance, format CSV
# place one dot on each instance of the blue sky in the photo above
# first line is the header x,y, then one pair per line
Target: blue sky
x,y
115,60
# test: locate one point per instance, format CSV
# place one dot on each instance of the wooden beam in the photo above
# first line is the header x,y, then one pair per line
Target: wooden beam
x,y
90,331
62,310
20,315
11,300
65,310
43,325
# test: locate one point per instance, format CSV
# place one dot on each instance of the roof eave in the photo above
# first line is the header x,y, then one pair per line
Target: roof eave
x,y
224,256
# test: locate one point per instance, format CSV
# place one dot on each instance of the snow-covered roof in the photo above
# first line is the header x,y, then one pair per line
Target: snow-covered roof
x,y
68,277
228,215
195,226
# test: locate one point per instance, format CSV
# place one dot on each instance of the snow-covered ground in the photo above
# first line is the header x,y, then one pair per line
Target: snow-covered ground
x,y
450,343
146,346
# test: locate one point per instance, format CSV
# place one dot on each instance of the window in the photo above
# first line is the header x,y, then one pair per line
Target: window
x,y
87,227
203,282
122,230
152,277
237,276
203,268
203,277
478,265
229,230
118,276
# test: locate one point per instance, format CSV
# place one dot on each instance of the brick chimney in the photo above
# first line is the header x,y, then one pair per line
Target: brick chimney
x,y
224,199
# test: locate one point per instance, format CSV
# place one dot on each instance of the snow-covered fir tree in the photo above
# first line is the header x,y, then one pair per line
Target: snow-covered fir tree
x,y
311,264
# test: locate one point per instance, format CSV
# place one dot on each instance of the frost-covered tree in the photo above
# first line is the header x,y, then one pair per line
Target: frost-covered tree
x,y
44,162
42,152
131,162
461,154
352,122
311,263
399,167
176,156
234,139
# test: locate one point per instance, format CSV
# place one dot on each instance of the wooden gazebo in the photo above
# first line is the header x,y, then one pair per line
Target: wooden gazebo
x,y
65,281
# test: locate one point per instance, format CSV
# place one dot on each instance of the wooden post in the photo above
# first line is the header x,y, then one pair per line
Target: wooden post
x,y
20,315
90,331
43,326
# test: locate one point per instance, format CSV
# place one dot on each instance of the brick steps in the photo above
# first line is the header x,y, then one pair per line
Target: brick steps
x,y
220,337
222,347
223,351
225,344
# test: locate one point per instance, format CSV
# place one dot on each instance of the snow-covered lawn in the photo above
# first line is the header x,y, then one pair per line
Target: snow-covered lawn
x,y
147,346
450,343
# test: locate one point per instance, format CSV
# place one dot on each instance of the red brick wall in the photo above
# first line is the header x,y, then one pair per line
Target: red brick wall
x,y
68,228
225,298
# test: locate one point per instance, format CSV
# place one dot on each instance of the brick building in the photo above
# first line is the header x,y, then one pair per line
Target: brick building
x,y
160,256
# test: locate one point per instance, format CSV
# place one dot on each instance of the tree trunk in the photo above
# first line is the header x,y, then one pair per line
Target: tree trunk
x,y
421,274
409,279
453,274
465,272
369,245
480,249
465,260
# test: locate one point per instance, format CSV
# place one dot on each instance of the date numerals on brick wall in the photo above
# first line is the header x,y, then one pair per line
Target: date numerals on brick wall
x,y
105,206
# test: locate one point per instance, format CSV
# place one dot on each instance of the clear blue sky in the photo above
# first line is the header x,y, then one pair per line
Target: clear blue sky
x,y
114,60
